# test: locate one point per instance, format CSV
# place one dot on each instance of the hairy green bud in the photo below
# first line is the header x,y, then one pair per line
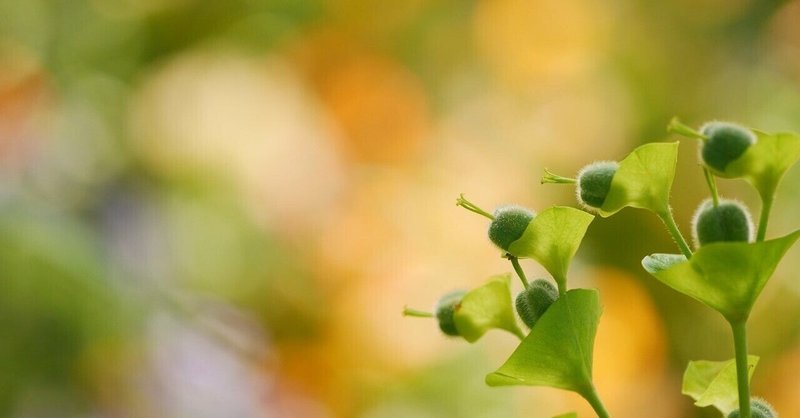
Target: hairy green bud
x,y
725,143
445,309
594,182
759,408
509,223
728,221
533,302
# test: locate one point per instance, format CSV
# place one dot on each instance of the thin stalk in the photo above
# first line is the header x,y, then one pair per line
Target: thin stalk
x,y
672,227
466,204
518,332
518,269
550,177
594,400
712,185
416,313
766,206
561,282
677,127
742,368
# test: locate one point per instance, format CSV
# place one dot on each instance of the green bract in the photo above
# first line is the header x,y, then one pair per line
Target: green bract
x,y
713,383
594,182
725,143
485,308
760,409
445,309
558,350
552,239
643,180
509,224
533,302
726,276
728,221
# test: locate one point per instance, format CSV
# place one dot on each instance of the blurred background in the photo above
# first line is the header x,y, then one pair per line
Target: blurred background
x,y
219,209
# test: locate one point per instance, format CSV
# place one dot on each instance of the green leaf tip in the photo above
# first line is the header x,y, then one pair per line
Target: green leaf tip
x,y
487,307
558,351
713,383
552,239
725,276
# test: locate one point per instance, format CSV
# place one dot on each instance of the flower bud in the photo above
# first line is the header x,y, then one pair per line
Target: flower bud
x,y
534,300
759,408
728,221
509,223
445,309
726,142
594,182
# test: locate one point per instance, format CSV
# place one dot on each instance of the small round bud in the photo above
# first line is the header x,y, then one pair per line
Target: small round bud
x,y
445,309
509,223
726,142
534,301
728,221
759,408
594,182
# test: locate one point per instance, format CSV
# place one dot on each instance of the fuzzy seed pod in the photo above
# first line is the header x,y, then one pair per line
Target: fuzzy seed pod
x,y
594,182
729,221
726,142
759,408
509,224
534,301
445,309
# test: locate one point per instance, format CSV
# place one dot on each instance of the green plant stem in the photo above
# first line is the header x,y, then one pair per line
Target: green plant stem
x,y
712,185
561,282
766,207
518,332
518,269
672,227
594,400
742,368
416,313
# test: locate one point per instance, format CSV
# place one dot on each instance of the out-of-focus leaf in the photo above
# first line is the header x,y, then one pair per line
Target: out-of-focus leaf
x,y
552,239
643,180
558,350
569,415
726,276
485,308
765,162
713,383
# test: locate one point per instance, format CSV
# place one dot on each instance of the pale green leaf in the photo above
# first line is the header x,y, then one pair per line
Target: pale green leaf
x,y
552,239
713,383
655,263
643,180
765,162
569,415
558,350
726,276
487,307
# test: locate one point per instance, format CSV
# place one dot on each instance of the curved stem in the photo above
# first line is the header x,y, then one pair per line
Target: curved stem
x,y
712,185
742,368
672,227
766,206
518,269
594,400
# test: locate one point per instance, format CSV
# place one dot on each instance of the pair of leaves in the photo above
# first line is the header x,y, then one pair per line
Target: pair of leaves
x,y
726,276
485,308
765,162
558,351
552,239
713,383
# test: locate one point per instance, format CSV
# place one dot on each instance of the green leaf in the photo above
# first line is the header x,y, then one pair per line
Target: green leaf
x,y
558,350
569,415
552,239
643,180
765,162
726,276
713,383
485,308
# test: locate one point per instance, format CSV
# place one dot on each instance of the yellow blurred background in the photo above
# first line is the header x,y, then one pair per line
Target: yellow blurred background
x,y
219,208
